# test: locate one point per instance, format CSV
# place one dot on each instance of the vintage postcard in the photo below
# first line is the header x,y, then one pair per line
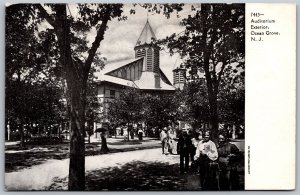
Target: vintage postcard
x,y
150,97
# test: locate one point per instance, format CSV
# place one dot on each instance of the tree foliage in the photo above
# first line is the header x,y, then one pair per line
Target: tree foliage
x,y
154,109
127,108
195,103
66,54
213,39
232,97
161,110
32,88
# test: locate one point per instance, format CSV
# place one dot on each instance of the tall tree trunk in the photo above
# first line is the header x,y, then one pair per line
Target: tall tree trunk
x,y
76,96
8,131
31,127
128,132
60,128
76,74
22,135
77,149
213,103
214,118
211,85
26,133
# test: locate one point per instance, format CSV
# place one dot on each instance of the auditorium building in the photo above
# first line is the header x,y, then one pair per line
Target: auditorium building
x,y
142,72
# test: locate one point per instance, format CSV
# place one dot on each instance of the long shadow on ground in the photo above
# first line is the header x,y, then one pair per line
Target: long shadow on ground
x,y
35,156
130,142
139,176
136,176
39,154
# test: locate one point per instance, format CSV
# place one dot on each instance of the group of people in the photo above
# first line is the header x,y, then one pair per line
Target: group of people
x,y
216,163
168,141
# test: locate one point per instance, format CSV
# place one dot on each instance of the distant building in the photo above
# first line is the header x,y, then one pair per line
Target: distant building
x,y
142,72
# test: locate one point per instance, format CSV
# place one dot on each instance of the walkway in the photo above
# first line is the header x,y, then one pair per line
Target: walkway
x,y
40,177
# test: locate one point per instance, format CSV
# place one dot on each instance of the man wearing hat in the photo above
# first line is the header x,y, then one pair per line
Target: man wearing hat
x,y
185,145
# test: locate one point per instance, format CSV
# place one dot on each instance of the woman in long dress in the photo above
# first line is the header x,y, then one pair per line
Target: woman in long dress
x,y
172,142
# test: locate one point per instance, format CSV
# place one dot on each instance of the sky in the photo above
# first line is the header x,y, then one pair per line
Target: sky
x,y
121,36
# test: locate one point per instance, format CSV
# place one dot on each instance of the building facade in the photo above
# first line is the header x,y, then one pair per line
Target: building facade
x,y
142,72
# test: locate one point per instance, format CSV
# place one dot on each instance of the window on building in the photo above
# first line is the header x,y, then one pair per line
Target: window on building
x,y
140,53
112,93
149,60
123,73
132,73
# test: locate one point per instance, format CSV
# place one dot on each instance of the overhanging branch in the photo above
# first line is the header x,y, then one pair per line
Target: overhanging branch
x,y
96,43
221,71
45,15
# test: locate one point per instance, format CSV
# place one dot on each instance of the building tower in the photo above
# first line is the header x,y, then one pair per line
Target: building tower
x,y
179,75
145,48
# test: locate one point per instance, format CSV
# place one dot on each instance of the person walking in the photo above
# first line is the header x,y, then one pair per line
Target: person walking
x,y
184,148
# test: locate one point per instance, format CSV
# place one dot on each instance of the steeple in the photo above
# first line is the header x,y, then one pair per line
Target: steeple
x,y
150,52
146,36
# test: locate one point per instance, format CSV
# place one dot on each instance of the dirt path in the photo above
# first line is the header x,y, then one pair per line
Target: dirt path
x,y
17,159
40,177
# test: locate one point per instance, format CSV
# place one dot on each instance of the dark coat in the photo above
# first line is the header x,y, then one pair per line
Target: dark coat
x,y
185,144
229,155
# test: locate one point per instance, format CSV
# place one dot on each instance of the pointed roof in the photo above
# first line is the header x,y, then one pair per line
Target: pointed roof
x,y
146,81
146,35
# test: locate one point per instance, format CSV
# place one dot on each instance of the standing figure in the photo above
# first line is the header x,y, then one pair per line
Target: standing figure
x,y
163,136
167,141
132,133
173,143
229,156
193,148
122,131
104,149
195,142
184,147
140,134
207,154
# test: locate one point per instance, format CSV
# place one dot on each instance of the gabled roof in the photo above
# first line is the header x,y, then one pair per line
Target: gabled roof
x,y
146,82
111,66
146,35
102,74
117,80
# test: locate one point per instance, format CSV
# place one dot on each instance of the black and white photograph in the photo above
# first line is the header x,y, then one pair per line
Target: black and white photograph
x,y
125,97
